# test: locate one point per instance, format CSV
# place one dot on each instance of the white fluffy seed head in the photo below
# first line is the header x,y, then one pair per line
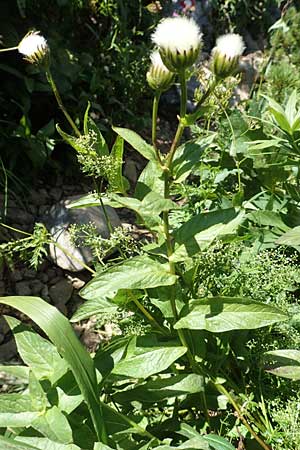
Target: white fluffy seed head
x,y
177,34
230,45
33,46
178,40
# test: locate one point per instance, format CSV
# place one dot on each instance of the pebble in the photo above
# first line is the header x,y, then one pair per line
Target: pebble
x,y
56,193
22,288
20,216
8,351
36,287
43,277
29,274
45,293
61,292
17,275
2,288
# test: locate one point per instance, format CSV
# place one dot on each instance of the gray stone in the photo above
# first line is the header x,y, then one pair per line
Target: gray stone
x,y
36,287
29,274
23,288
60,293
56,193
20,216
45,293
69,257
4,327
8,351
2,288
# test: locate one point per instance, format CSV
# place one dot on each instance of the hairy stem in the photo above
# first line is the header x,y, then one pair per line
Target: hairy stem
x,y
60,103
154,123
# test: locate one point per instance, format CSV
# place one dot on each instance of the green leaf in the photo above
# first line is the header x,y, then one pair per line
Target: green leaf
x,y
140,272
85,119
100,446
162,389
290,108
201,230
279,115
218,442
149,208
220,314
267,218
291,237
38,353
37,394
150,180
44,443
54,426
12,444
187,156
60,332
147,361
119,182
20,373
138,143
17,410
99,145
284,363
74,142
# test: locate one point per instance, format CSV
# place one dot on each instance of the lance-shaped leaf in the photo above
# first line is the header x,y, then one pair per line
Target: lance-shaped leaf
x,y
147,361
140,272
284,363
137,143
18,410
220,314
60,332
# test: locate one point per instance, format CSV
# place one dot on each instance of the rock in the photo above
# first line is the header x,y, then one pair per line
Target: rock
x,y
45,293
56,193
29,274
36,287
8,351
4,327
23,288
69,257
61,292
20,216
43,277
77,283
2,288
17,275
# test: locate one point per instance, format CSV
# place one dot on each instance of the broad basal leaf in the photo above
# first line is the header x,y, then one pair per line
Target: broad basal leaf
x,y
148,361
54,425
284,363
18,410
162,388
38,353
291,238
60,332
220,314
140,272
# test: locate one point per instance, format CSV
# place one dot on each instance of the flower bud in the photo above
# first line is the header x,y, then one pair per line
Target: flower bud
x,y
34,47
158,76
179,41
226,54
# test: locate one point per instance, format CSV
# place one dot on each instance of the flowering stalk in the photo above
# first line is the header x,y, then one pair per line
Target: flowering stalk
x,y
156,99
60,103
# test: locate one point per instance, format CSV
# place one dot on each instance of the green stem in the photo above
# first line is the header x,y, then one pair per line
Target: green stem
x,y
66,252
156,99
148,315
224,391
60,103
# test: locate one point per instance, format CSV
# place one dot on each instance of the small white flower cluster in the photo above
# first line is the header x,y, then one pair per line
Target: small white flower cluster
x,y
34,47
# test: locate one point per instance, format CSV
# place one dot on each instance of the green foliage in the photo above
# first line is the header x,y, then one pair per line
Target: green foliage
x,y
31,249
